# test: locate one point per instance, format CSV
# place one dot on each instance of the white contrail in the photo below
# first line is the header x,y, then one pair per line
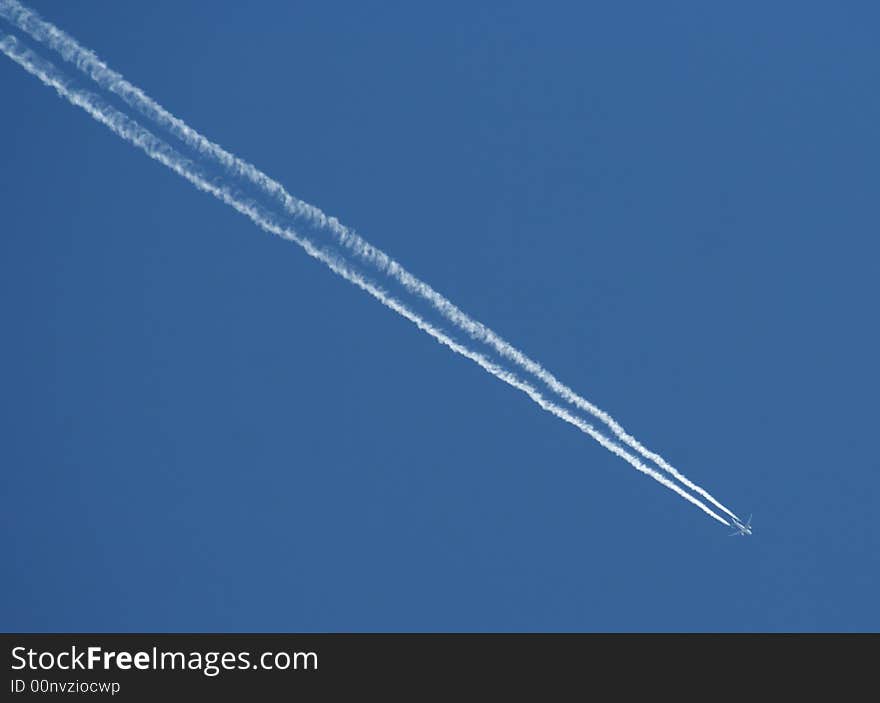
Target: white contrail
x,y
158,150
103,75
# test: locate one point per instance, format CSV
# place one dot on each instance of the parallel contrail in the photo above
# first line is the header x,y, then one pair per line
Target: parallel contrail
x,y
103,75
158,150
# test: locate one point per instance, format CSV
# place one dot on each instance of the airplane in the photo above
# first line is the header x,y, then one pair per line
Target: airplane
x,y
742,529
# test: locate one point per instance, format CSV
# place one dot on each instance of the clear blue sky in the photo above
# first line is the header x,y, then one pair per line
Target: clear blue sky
x,y
674,208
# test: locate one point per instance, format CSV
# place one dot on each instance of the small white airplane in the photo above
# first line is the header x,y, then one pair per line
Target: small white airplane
x,y
742,529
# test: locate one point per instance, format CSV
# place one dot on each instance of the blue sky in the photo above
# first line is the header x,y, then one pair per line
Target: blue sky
x,y
673,209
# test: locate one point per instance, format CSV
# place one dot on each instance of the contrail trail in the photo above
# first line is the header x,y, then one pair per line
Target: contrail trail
x,y
155,148
89,63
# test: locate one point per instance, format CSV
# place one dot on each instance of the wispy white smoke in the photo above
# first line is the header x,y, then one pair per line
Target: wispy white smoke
x,y
157,149
89,63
